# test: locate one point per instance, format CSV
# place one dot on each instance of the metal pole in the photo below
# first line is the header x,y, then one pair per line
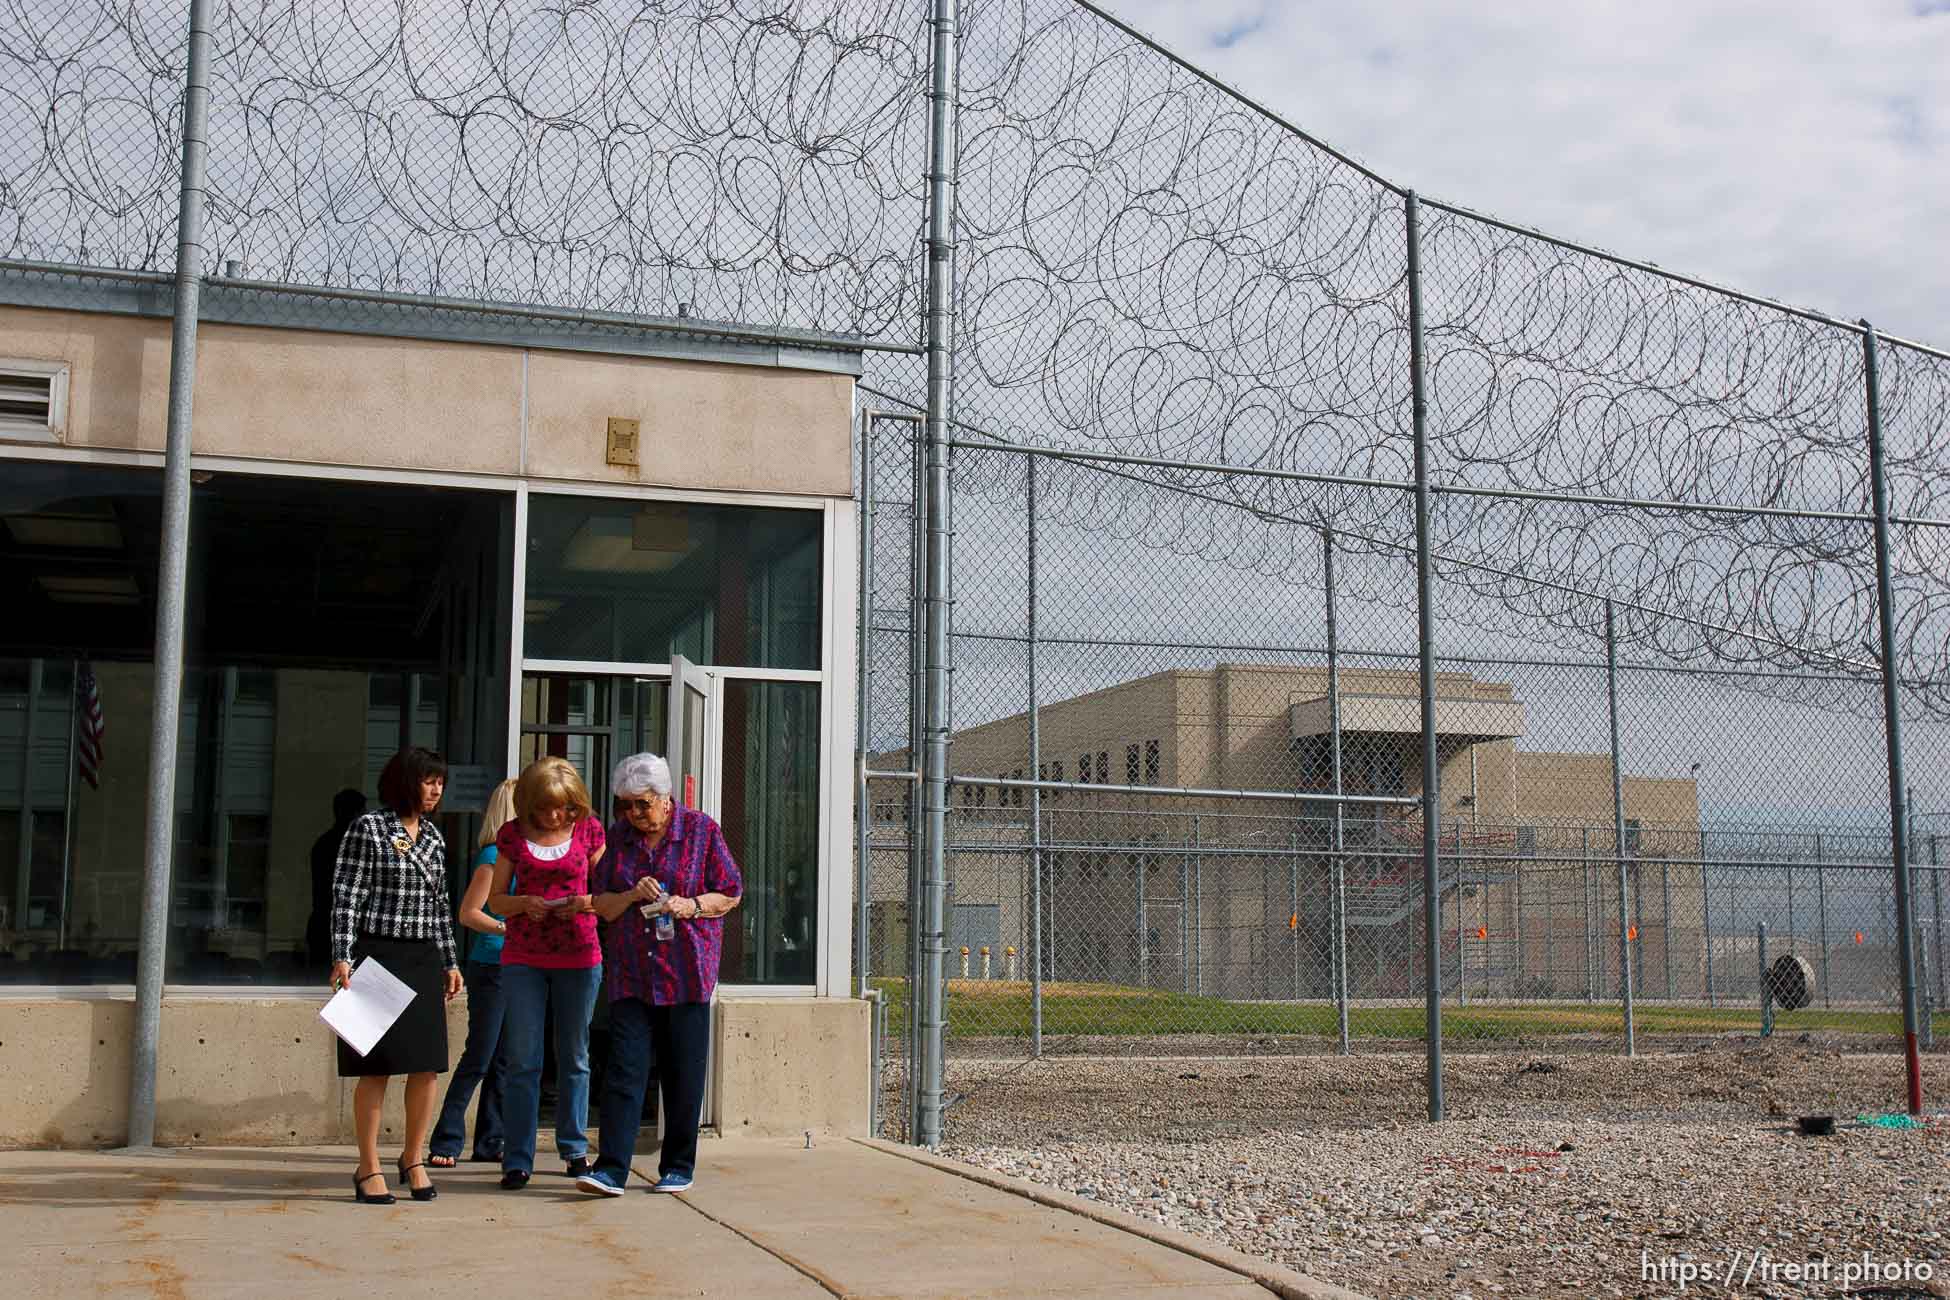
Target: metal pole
x,y
1892,721
941,362
1340,809
1198,906
1936,910
1425,630
1665,921
1766,987
863,849
172,579
1618,832
1516,925
1035,801
1821,900
1706,924
1590,945
916,660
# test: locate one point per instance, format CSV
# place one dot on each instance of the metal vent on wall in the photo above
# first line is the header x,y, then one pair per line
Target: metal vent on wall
x,y
33,400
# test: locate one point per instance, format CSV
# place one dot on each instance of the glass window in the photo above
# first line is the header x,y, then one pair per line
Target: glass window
x,y
770,806
640,581
327,624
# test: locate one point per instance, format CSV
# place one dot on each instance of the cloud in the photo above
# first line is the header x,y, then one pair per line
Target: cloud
x,y
1794,149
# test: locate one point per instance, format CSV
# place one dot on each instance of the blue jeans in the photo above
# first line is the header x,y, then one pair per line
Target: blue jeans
x,y
675,1040
529,990
483,1064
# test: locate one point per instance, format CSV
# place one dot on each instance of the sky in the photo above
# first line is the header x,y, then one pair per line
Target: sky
x,y
1794,149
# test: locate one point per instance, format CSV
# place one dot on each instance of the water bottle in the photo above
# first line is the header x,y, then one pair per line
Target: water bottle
x,y
663,927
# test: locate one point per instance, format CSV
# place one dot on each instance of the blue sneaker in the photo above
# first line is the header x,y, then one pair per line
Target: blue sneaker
x,y
599,1183
673,1183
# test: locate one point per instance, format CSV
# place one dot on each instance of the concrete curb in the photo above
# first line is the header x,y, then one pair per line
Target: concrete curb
x,y
1283,1282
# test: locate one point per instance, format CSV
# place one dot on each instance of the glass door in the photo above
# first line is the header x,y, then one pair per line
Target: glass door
x,y
592,721
690,714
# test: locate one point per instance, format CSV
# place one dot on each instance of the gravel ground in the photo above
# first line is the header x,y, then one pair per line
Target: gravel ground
x,y
1555,1175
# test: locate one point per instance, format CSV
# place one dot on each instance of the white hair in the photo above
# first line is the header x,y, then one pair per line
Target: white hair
x,y
640,774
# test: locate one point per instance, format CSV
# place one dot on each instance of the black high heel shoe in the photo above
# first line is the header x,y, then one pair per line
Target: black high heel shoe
x,y
359,1191
426,1193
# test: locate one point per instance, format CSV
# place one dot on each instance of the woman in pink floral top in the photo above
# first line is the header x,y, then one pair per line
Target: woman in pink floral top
x,y
551,955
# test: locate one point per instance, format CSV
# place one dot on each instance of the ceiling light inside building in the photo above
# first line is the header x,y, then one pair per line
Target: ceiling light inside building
x,y
654,539
74,589
76,531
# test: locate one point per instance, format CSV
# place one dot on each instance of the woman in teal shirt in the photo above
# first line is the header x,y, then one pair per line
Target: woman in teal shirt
x,y
481,1061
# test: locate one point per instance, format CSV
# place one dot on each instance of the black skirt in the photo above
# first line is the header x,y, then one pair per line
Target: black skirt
x,y
417,1042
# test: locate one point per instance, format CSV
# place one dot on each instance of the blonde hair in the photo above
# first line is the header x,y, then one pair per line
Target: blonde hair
x,y
551,782
500,811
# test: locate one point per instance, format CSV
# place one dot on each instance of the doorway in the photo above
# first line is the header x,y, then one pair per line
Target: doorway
x,y
594,720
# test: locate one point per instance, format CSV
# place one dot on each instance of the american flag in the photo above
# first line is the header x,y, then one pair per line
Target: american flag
x,y
88,744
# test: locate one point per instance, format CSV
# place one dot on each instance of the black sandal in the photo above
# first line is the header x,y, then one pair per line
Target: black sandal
x,y
359,1191
426,1193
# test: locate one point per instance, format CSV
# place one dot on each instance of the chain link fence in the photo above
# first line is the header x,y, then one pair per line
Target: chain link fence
x,y
1239,430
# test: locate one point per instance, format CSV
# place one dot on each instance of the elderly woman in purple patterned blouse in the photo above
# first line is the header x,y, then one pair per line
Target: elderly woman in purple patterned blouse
x,y
661,891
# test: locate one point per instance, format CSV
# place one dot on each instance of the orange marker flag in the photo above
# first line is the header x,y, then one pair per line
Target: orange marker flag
x,y
1482,932
1631,932
1293,922
1858,936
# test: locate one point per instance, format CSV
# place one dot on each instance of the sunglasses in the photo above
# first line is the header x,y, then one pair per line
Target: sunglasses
x,y
641,805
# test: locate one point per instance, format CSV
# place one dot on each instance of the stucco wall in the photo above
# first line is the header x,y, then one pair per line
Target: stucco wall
x,y
394,403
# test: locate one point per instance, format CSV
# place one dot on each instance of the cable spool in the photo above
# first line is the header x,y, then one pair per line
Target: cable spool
x,y
1791,982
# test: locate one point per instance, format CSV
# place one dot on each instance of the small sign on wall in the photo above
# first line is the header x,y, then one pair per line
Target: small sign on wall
x,y
621,446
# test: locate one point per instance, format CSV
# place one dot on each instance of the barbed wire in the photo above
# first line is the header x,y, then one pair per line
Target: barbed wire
x,y
1145,265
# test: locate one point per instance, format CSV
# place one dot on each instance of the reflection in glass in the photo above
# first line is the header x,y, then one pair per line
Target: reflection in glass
x,y
328,624
770,802
641,581
591,721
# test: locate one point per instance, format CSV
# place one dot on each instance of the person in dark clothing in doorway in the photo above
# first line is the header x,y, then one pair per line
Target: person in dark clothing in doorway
x,y
347,805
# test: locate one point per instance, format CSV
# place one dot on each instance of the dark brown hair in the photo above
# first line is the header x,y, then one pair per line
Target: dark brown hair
x,y
399,783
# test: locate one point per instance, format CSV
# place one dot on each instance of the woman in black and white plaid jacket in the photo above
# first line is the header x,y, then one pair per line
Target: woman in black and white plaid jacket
x,y
390,905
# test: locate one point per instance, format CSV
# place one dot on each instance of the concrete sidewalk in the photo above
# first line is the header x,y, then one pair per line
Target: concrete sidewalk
x,y
765,1219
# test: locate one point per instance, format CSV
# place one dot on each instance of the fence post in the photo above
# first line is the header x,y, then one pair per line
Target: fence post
x,y
159,834
863,848
1936,911
1462,975
1618,831
1766,986
1821,904
1926,1012
1334,753
1585,891
1665,921
916,690
940,335
1198,906
1293,903
1706,923
1035,798
1425,628
1892,719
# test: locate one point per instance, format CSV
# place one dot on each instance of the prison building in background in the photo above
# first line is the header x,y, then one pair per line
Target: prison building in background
x,y
1233,897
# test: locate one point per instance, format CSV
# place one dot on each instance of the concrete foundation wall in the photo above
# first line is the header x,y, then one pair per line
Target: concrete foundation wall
x,y
263,1071
785,1065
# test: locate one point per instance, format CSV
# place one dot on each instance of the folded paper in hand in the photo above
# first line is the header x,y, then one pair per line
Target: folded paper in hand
x,y
366,1008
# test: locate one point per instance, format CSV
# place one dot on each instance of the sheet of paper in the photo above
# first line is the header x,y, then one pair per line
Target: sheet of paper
x,y
365,1009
